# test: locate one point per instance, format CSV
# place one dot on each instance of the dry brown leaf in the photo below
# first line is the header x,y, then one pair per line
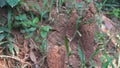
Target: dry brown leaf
x,y
33,57
109,28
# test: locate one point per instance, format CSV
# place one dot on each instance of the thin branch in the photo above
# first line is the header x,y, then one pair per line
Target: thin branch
x,y
16,58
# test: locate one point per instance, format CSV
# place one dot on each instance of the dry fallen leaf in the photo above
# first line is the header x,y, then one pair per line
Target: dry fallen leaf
x,y
33,57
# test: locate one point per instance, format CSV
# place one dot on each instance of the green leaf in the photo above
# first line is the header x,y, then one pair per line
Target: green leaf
x,y
106,61
43,46
21,17
77,22
43,34
66,45
12,3
2,36
37,39
9,19
1,31
81,56
31,29
44,30
78,5
51,4
88,1
44,3
116,12
105,65
2,3
35,20
11,48
29,35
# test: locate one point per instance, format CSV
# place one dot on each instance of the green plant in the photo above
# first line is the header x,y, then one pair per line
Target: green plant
x,y
82,57
106,58
6,40
26,25
109,7
11,3
43,47
5,34
43,32
115,12
45,9
106,61
69,52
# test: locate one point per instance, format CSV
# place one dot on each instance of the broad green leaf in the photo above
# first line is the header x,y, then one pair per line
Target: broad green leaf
x,y
35,20
37,39
44,43
2,3
43,34
44,30
43,46
31,29
105,65
21,17
12,3
116,12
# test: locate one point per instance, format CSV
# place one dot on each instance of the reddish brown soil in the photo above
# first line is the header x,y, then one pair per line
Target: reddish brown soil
x,y
55,57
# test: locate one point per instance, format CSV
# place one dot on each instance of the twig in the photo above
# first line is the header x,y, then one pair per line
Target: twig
x,y
16,58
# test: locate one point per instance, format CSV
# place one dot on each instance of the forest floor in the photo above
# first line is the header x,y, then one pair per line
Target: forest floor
x,y
29,55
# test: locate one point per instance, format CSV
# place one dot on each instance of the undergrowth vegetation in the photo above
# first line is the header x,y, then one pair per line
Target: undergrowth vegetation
x,y
27,19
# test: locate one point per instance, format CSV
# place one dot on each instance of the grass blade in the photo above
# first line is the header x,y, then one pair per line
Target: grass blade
x,y
81,56
66,45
